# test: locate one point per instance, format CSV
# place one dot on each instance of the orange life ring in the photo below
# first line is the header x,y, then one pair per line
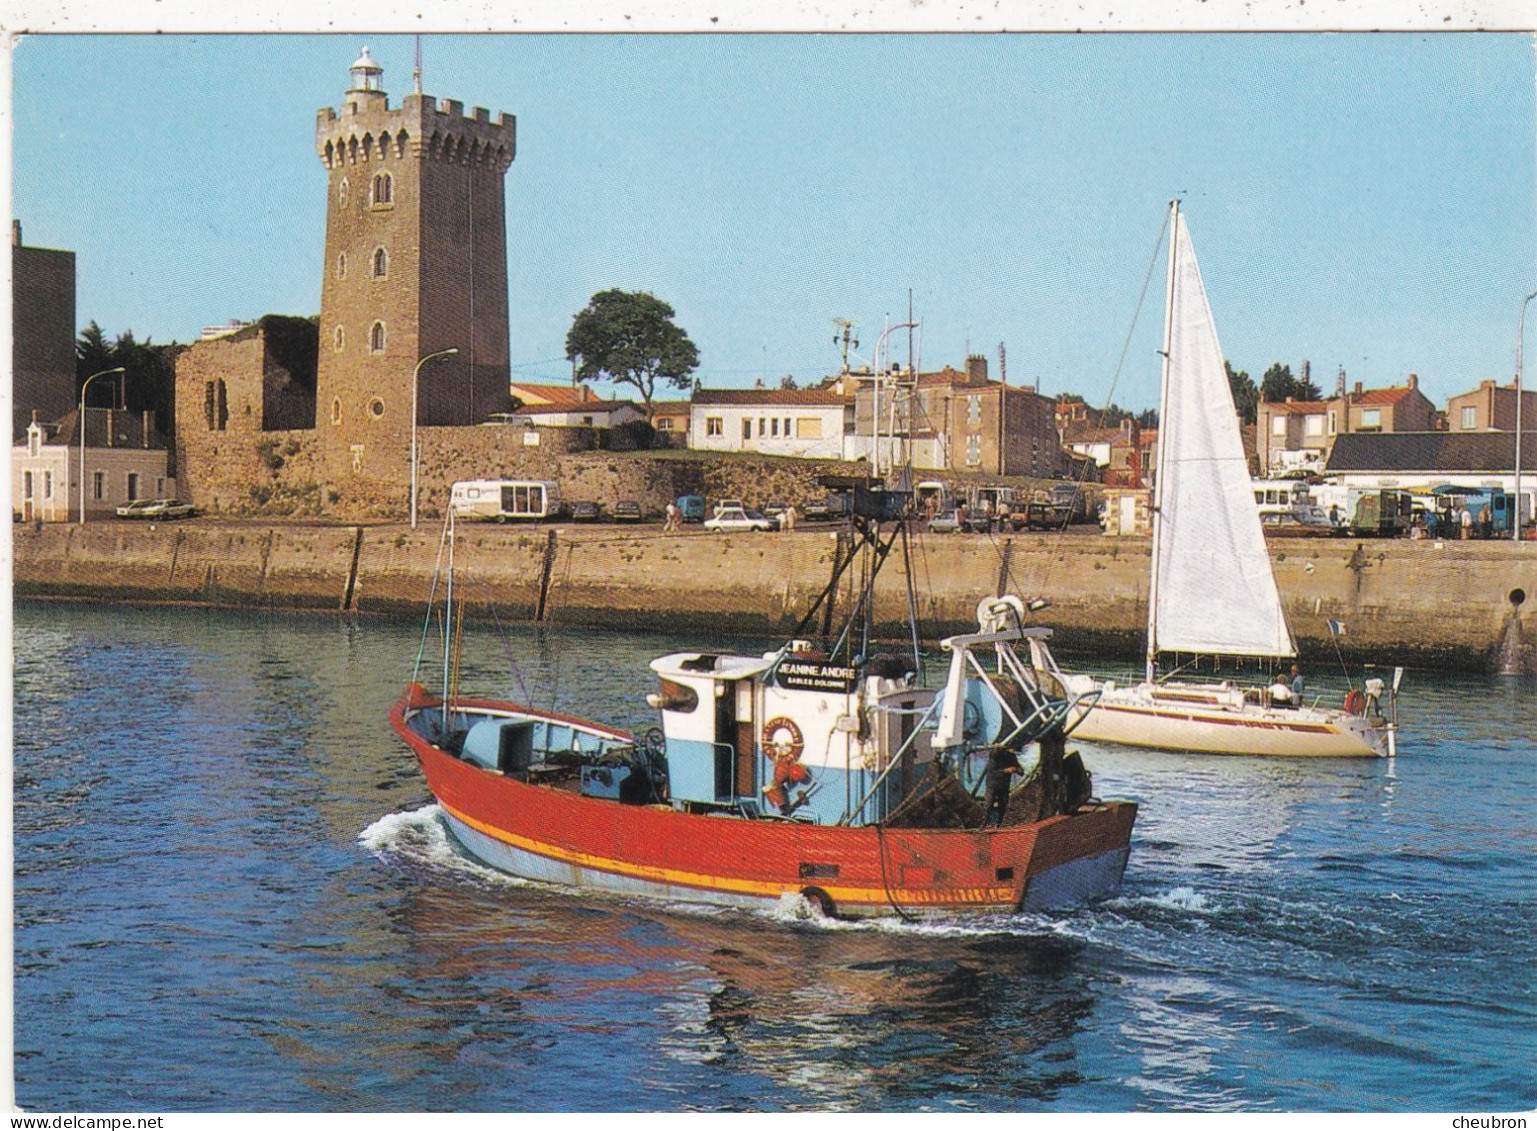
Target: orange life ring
x,y
1355,702
782,740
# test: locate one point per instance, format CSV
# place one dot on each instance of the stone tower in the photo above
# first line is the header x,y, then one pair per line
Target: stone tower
x,y
415,262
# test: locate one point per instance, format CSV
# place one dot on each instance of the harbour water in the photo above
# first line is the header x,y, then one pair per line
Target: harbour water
x,y
232,892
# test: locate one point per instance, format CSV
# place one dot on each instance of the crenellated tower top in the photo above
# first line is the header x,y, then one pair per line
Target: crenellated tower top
x,y
367,129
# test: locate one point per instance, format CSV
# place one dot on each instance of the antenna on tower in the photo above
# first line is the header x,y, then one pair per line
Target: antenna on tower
x,y
416,72
844,338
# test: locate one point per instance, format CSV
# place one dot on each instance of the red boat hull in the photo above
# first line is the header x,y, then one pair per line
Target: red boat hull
x,y
557,836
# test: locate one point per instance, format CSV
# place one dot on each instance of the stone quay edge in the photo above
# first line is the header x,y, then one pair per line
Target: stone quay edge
x,y
1452,605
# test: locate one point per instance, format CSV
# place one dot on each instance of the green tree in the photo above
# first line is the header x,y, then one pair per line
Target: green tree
x,y
93,353
149,378
1245,395
1277,384
630,338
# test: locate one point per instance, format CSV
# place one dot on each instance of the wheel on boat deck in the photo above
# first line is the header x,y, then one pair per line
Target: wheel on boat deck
x,y
820,902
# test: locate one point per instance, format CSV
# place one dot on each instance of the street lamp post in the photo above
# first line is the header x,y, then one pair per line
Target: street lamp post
x,y
1515,525
415,386
83,388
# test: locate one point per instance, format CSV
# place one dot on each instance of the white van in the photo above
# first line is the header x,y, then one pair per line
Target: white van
x,y
502,499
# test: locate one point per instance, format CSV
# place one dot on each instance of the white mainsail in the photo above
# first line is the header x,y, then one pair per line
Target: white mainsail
x,y
1213,589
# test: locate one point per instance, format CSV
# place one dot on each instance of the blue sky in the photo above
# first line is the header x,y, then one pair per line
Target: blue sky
x,y
1359,200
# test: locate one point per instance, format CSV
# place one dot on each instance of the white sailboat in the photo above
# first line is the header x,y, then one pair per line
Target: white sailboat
x,y
1213,592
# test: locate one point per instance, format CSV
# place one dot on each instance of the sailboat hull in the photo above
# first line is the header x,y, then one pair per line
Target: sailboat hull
x,y
1167,717
559,837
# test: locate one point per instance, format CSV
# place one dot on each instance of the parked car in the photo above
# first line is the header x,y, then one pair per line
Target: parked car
x,y
947,522
156,508
625,510
173,508
691,508
834,506
774,508
584,512
727,505
738,519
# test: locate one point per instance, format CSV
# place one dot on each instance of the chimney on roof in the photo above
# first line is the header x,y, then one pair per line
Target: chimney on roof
x,y
1358,388
15,233
976,369
149,424
1414,380
1291,400
1489,384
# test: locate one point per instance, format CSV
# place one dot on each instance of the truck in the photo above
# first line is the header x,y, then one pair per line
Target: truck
x,y
1499,503
506,500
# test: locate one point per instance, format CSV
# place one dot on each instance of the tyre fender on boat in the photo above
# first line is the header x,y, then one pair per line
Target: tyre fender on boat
x,y
821,901
1355,702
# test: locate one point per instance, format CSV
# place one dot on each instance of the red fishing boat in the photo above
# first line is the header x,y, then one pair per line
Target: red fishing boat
x,y
812,773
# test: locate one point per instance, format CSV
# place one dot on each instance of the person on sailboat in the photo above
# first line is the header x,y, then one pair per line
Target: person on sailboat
x,y
1298,684
1281,694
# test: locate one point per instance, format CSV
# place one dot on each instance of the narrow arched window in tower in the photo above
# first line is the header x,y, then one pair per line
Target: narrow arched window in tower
x,y
336,410
341,191
341,265
381,263
340,339
382,189
376,338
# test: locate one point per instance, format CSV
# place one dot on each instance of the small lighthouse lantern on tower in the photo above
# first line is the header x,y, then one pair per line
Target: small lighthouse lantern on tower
x,y
366,75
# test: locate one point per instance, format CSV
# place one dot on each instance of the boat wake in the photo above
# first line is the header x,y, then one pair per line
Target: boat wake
x,y
418,841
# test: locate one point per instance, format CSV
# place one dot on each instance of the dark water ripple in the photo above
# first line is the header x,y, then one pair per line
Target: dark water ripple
x,y
233,892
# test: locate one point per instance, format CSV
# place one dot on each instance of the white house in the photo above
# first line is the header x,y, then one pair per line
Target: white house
x,y
588,414
125,459
809,423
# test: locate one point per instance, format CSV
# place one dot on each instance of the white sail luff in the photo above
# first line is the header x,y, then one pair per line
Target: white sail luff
x,y
1213,590
1163,412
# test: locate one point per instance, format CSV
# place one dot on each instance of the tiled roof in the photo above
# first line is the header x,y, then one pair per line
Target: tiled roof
x,y
554,394
770,397
1391,395
1306,407
1086,435
1431,451
582,406
128,427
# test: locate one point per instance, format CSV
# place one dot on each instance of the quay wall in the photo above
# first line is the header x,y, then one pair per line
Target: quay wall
x,y
1464,605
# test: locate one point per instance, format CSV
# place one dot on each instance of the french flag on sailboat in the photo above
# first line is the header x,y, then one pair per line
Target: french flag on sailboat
x,y
1336,628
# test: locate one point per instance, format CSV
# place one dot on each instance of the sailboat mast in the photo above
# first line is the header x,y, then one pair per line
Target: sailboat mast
x,y
1163,448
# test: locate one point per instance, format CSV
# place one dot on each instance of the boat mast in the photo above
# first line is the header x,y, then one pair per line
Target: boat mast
x,y
1163,448
448,617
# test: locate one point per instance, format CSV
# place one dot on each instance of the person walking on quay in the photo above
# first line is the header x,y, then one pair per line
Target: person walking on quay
x,y
671,525
787,520
1467,523
1486,522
